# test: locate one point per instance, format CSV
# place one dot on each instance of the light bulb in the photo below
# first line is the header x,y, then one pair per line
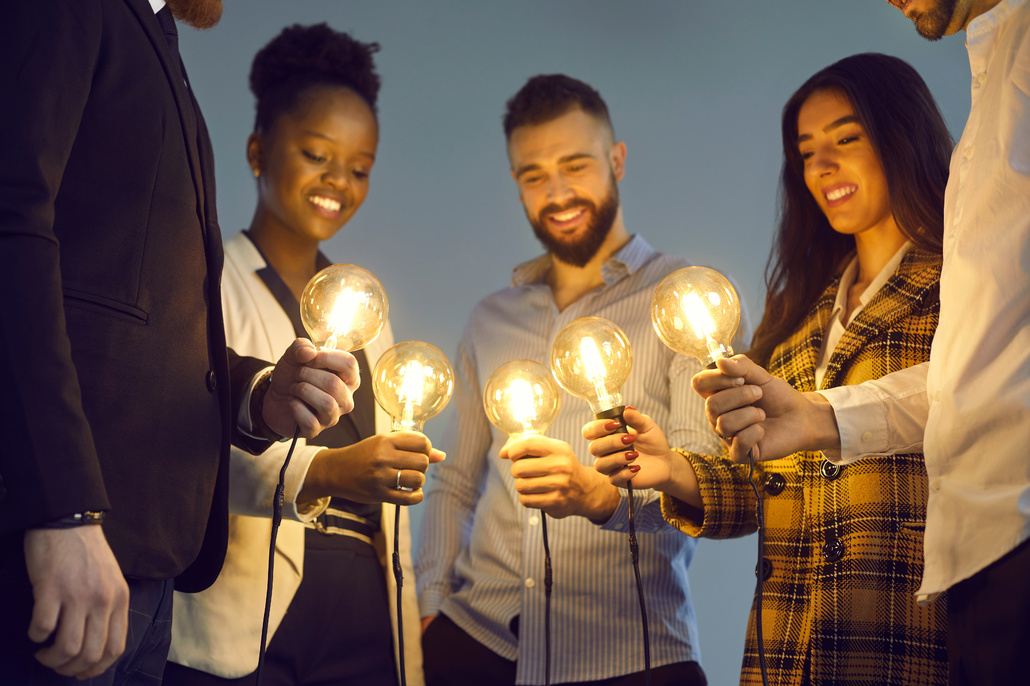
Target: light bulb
x,y
412,381
521,398
591,359
343,307
696,312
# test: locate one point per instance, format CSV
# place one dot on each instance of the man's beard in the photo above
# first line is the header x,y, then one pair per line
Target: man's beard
x,y
932,24
579,252
200,14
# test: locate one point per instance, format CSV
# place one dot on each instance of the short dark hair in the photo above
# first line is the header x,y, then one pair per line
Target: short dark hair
x,y
912,142
546,97
302,58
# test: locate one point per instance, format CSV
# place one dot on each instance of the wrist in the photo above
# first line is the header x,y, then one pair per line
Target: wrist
x,y
85,518
823,430
605,505
257,406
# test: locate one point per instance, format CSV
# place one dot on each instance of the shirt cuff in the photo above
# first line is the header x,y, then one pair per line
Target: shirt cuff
x,y
861,422
243,421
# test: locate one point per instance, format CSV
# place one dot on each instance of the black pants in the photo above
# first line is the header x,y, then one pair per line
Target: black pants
x,y
337,629
451,657
146,645
989,623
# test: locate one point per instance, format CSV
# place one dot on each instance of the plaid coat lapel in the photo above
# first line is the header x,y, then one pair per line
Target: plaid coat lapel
x,y
918,273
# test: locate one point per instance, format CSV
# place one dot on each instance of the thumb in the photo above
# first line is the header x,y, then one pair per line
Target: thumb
x,y
300,352
741,366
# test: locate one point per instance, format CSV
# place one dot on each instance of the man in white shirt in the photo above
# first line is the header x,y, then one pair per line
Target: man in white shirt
x,y
968,409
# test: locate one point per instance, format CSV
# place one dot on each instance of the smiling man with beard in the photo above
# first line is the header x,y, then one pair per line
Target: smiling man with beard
x,y
480,569
120,398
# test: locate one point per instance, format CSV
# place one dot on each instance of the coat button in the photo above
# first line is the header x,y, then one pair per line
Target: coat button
x,y
833,550
829,470
774,484
767,568
211,380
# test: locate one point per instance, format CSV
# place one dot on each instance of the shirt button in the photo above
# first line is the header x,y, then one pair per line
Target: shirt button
x,y
935,485
211,380
867,436
981,77
767,568
534,520
937,396
530,583
968,153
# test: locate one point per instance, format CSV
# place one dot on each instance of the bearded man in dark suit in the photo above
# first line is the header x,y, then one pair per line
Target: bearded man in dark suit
x,y
119,399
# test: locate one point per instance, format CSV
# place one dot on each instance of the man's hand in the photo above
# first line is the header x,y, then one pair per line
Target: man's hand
x,y
752,409
81,598
556,482
311,389
426,621
366,472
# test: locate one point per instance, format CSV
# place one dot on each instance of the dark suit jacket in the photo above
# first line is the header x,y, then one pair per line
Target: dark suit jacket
x,y
117,388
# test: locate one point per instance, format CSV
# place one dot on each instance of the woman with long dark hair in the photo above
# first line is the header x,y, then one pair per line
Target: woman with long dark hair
x,y
852,288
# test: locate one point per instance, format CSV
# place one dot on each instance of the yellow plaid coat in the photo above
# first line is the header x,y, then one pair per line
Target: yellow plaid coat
x,y
843,545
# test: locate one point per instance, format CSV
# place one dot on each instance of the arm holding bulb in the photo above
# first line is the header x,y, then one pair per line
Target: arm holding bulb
x,y
366,471
556,482
891,411
309,388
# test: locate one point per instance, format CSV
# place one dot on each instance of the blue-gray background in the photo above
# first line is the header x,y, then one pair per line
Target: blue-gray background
x,y
694,88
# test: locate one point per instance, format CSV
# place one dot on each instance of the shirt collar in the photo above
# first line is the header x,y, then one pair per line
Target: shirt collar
x,y
848,278
628,259
988,21
157,5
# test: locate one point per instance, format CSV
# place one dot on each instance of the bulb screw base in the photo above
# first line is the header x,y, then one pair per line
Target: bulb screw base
x,y
615,413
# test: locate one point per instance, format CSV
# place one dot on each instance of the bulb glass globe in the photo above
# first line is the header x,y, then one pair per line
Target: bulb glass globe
x,y
591,358
696,312
412,381
522,398
343,307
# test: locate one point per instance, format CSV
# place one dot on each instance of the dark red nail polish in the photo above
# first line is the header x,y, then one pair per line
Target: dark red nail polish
x,y
628,438
630,407
612,425
634,468
631,455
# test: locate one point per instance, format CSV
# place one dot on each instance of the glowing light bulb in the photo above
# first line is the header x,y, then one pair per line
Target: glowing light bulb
x,y
412,381
591,359
696,312
343,307
521,398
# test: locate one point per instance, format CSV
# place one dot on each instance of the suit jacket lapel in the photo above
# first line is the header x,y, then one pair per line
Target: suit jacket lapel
x,y
184,101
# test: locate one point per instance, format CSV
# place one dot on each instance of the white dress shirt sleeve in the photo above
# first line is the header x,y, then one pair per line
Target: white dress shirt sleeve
x,y
884,416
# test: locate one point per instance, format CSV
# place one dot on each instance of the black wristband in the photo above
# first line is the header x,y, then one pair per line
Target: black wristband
x,y
257,402
78,519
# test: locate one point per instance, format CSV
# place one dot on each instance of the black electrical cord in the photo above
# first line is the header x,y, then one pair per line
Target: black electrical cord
x,y
277,518
760,569
398,575
547,601
634,550
635,555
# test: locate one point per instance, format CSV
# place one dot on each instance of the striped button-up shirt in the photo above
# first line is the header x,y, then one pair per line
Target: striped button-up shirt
x,y
481,561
